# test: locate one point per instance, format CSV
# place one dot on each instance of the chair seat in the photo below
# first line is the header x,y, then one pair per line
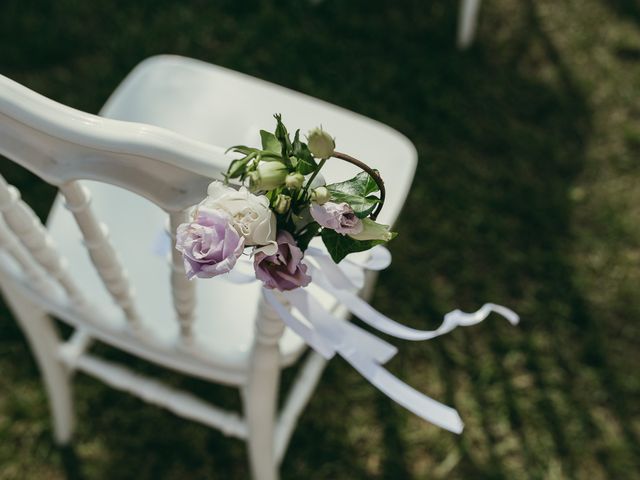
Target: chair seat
x,y
223,107
220,107
225,312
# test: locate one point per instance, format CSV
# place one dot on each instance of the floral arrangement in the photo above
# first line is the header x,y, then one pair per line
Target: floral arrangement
x,y
278,203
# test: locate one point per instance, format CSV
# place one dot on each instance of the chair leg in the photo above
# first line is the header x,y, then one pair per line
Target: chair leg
x,y
44,340
467,22
370,280
261,394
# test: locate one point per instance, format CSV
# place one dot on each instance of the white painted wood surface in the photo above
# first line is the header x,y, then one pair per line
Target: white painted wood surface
x,y
34,273
102,253
184,292
165,161
44,341
154,392
27,227
261,394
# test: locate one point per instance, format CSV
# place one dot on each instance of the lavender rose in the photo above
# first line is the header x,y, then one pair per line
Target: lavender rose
x,y
209,245
337,216
284,270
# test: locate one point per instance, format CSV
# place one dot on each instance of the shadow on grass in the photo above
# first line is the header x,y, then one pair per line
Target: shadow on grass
x,y
70,462
627,8
498,196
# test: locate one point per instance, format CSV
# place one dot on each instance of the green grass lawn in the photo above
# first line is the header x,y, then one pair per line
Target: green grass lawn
x,y
527,194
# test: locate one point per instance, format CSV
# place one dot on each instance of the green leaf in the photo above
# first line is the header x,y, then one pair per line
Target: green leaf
x,y
362,206
237,167
241,149
283,137
269,142
356,192
307,235
339,246
267,155
306,163
361,185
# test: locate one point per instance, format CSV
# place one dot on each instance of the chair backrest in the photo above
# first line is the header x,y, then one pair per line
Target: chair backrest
x,y
226,108
62,146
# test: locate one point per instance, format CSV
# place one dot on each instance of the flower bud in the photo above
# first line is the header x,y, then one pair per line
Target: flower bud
x,y
267,176
294,181
373,231
320,143
320,195
282,203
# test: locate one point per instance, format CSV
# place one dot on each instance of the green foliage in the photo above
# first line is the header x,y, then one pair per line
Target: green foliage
x,y
275,146
269,142
306,162
304,237
283,137
356,192
339,246
238,167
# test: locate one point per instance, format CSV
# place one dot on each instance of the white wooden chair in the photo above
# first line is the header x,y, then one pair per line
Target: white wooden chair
x,y
123,177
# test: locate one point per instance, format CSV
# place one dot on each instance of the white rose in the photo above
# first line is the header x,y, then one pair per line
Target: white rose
x,y
250,215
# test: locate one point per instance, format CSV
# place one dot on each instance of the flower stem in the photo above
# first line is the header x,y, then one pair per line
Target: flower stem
x,y
304,228
313,176
372,173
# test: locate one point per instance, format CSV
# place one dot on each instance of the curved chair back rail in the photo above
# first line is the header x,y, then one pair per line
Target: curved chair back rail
x,y
61,144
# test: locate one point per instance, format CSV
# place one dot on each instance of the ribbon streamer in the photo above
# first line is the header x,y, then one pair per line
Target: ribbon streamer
x,y
366,355
377,320
329,335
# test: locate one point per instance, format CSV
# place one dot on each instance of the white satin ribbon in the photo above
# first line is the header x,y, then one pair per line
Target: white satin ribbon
x,y
371,316
365,352
308,334
328,334
341,334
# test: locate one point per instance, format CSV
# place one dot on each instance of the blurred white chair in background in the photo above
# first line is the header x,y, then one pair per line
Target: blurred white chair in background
x,y
467,22
138,178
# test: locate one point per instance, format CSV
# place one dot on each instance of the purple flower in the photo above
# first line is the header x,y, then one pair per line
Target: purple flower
x,y
284,270
209,245
336,216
